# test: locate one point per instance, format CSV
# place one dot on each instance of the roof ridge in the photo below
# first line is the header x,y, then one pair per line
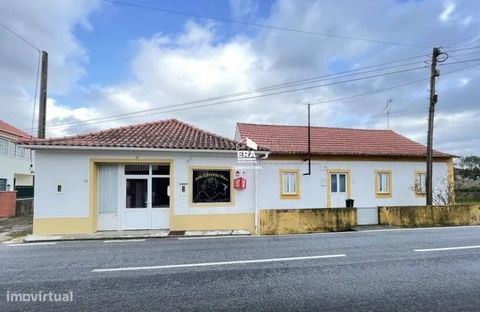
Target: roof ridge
x,y
14,131
204,131
319,127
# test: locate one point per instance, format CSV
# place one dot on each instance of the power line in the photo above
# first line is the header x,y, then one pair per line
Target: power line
x,y
383,89
19,37
227,20
464,62
459,61
272,87
137,114
328,101
463,49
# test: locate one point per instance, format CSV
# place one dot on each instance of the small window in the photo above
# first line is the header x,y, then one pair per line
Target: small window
x,y
289,183
3,147
420,178
59,188
3,185
160,169
19,152
338,182
137,169
11,149
383,181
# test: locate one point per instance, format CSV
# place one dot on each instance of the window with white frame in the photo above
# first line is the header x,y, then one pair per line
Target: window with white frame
x,y
383,181
420,178
11,149
3,147
289,183
19,151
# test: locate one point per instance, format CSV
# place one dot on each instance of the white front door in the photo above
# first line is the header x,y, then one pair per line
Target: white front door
x,y
147,197
338,189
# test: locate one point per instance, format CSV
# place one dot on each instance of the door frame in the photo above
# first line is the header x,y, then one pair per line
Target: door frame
x,y
348,184
123,184
93,182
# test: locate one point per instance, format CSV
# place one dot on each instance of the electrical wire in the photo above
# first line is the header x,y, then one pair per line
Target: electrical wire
x,y
463,61
227,20
161,109
19,37
271,87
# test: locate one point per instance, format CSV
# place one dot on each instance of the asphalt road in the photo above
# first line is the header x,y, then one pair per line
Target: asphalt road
x,y
354,271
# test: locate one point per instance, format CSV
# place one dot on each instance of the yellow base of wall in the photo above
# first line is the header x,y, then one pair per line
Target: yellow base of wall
x,y
51,226
58,226
237,221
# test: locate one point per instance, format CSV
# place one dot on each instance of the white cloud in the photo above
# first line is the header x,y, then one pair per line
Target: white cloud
x,y
50,28
448,9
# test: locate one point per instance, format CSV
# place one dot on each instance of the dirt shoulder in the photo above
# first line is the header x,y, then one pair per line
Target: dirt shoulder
x,y
11,228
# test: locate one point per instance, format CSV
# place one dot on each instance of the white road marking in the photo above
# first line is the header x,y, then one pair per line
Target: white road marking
x,y
123,240
448,248
31,244
210,237
190,265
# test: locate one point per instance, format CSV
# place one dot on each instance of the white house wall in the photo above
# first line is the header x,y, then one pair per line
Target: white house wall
x,y
9,166
313,188
71,170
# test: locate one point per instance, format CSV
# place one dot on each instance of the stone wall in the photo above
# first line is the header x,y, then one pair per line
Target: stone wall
x,y
418,216
296,221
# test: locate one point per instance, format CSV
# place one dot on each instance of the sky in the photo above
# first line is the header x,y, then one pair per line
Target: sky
x,y
108,59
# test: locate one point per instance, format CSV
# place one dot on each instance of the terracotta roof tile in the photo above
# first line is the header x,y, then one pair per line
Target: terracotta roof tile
x,y
163,134
12,131
280,139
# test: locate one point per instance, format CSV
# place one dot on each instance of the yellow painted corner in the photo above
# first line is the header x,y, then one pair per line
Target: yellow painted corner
x,y
57,226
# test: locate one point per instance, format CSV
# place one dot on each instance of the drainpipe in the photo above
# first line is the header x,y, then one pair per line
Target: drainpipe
x,y
255,195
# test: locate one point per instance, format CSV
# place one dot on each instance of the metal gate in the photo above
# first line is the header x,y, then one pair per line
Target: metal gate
x,y
367,215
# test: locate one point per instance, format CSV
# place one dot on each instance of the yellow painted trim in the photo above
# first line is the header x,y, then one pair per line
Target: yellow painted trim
x,y
387,194
451,178
208,205
349,183
295,195
418,194
204,222
58,226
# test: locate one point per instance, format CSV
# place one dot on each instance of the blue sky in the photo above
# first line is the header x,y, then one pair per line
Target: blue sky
x,y
108,59
117,27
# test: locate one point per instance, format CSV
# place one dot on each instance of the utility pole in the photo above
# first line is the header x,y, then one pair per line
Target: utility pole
x,y
42,111
431,112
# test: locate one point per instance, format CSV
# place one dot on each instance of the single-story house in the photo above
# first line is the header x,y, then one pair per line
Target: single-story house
x,y
171,175
158,175
372,167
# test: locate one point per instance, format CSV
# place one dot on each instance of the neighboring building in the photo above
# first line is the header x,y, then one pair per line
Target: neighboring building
x,y
372,167
159,175
171,175
15,161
